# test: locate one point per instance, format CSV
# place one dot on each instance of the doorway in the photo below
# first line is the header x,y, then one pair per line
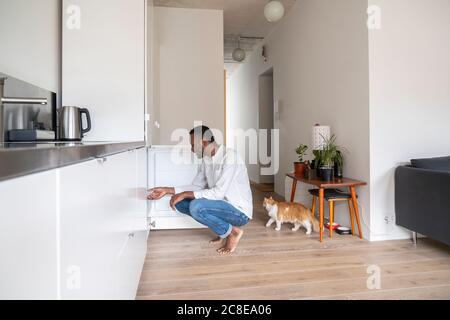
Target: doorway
x,y
266,120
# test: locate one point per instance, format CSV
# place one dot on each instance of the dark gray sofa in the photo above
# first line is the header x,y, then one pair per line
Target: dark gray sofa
x,y
422,197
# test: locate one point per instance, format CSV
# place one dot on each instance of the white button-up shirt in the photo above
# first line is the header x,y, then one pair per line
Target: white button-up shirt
x,y
223,177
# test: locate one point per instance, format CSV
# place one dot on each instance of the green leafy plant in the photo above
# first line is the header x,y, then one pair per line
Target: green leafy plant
x,y
329,151
338,164
330,155
301,152
339,159
317,158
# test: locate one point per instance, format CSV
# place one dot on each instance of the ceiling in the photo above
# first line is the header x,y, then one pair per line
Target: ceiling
x,y
241,18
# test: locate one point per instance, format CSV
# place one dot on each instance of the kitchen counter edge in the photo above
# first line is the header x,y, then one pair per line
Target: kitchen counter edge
x,y
15,163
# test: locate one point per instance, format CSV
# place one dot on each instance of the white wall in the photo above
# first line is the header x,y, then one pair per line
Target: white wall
x,y
409,96
189,71
319,55
30,46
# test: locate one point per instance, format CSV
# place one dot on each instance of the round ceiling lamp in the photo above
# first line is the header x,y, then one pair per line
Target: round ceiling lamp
x,y
274,11
238,53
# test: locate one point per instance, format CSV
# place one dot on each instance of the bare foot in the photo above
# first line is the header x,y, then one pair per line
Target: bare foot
x,y
232,241
215,240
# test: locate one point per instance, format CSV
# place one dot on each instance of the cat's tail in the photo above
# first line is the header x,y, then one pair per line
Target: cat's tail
x,y
314,222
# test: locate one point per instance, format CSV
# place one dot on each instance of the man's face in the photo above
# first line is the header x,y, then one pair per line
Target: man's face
x,y
197,146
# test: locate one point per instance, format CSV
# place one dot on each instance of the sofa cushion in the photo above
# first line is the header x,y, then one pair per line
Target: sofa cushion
x,y
440,164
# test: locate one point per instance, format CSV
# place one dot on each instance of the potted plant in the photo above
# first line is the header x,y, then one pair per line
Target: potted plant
x,y
338,164
300,165
327,156
315,164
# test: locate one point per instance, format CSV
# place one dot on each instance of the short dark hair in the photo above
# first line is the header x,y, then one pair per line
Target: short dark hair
x,y
207,134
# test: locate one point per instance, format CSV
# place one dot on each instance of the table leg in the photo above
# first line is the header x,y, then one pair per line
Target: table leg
x,y
331,204
356,210
313,208
350,211
321,193
294,188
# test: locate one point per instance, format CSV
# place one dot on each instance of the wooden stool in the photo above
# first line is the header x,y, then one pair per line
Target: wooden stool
x,y
331,196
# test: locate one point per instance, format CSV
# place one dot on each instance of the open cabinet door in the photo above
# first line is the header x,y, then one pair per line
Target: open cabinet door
x,y
164,170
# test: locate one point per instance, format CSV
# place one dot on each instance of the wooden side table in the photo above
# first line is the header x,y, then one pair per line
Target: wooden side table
x,y
322,185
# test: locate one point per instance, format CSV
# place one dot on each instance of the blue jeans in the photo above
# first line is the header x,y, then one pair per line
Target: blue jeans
x,y
219,216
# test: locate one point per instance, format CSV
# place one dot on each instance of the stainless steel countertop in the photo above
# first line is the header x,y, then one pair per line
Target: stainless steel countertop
x,y
20,159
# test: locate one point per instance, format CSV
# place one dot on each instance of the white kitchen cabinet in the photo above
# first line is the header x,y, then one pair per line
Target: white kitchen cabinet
x,y
87,226
167,169
28,237
104,65
103,228
134,249
77,232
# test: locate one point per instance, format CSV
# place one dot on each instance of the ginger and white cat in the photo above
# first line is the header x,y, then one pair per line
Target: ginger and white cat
x,y
299,215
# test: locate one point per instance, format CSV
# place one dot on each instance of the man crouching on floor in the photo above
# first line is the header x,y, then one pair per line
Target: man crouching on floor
x,y
220,196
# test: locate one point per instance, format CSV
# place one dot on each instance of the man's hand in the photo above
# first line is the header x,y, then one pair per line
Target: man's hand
x,y
180,197
158,193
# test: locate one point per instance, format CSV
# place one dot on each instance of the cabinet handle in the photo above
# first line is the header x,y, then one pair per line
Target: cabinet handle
x,y
153,224
131,235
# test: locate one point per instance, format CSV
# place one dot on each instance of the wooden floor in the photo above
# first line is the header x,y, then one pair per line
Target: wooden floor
x,y
290,265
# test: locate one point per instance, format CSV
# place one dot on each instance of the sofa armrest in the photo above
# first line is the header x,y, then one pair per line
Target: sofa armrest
x,y
422,201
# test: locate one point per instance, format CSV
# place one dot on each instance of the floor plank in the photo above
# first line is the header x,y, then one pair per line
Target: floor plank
x,y
181,264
